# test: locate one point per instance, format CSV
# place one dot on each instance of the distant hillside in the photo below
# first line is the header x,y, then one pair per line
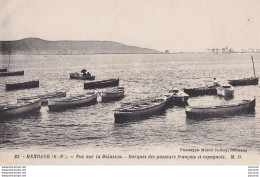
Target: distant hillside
x,y
38,46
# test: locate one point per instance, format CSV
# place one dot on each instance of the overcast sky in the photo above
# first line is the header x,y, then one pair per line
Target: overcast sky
x,y
176,25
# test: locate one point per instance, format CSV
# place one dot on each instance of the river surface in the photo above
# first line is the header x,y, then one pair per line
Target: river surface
x,y
143,76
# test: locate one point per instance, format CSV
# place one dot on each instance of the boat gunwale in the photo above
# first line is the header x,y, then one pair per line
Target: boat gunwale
x,y
27,82
223,106
42,96
140,109
102,81
67,101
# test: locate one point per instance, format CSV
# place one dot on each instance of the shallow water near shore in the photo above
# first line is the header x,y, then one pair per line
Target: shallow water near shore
x,y
143,76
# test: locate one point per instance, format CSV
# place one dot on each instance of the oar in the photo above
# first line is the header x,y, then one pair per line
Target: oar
x,y
253,64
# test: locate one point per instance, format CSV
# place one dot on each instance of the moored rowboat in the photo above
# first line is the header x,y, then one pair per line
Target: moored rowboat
x,y
112,94
179,97
81,76
12,73
243,82
135,111
22,85
20,108
74,101
209,90
222,110
3,70
101,84
225,90
44,97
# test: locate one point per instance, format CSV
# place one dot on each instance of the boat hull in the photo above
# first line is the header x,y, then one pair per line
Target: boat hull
x,y
201,91
139,114
23,85
81,77
101,84
44,98
225,110
66,104
243,82
14,73
3,70
179,98
113,95
225,92
34,106
180,101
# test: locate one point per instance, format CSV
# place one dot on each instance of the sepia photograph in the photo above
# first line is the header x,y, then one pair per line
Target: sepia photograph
x,y
128,82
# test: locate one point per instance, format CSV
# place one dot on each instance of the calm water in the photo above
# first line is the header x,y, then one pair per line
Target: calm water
x,y
143,76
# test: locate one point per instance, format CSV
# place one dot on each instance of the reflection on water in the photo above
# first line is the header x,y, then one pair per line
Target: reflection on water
x,y
143,76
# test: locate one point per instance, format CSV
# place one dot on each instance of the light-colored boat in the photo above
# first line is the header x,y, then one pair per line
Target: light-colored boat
x,y
243,106
44,97
73,101
225,90
179,97
112,94
144,108
9,110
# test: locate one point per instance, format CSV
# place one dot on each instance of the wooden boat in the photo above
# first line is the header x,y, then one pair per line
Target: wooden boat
x,y
208,90
71,102
19,108
101,84
81,76
243,82
12,73
22,85
113,94
179,97
144,108
222,110
44,97
225,90
3,69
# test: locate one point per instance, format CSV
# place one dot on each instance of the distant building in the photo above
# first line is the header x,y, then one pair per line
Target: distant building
x,y
167,52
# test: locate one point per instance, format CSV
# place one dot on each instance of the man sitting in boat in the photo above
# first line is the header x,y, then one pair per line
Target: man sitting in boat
x,y
216,82
88,74
84,73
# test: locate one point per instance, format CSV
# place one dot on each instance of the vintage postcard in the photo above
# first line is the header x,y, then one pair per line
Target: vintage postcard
x,y
127,82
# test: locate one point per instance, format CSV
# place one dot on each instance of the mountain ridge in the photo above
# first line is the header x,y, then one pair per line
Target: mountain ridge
x,y
68,47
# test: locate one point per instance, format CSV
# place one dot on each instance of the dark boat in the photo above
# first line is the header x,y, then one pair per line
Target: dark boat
x,y
101,84
12,73
3,70
243,82
22,85
244,106
200,91
81,76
